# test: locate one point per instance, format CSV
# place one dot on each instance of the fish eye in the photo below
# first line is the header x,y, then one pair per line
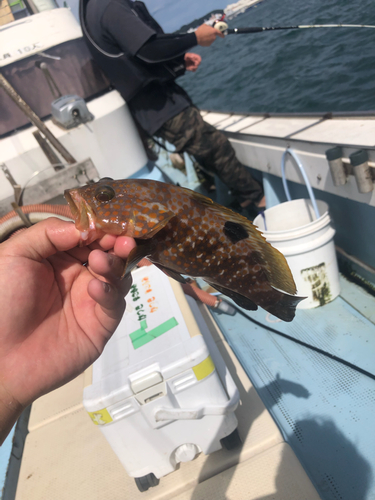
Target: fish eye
x,y
104,193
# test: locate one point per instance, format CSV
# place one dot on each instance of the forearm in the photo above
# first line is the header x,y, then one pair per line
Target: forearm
x,y
160,49
10,411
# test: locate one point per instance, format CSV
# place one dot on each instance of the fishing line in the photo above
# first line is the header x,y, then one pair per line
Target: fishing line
x,y
305,344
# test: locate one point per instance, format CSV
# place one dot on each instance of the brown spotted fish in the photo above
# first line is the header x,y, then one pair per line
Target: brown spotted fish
x,y
183,232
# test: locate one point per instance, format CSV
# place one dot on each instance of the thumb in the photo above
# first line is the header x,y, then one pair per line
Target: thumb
x,y
43,239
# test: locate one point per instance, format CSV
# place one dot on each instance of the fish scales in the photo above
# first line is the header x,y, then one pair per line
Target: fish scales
x,y
186,233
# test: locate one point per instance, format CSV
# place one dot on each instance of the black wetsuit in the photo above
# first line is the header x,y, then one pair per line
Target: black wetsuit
x,y
145,72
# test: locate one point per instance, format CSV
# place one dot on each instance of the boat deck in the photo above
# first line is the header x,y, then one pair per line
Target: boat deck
x,y
323,408
306,420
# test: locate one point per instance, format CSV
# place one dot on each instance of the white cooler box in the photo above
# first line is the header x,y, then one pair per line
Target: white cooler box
x,y
158,393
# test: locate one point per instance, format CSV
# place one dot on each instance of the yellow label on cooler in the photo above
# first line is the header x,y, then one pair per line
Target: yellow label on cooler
x,y
205,368
100,417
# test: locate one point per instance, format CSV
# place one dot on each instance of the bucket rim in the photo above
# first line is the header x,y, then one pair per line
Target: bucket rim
x,y
323,220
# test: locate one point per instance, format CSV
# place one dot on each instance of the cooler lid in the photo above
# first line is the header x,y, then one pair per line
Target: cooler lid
x,y
157,337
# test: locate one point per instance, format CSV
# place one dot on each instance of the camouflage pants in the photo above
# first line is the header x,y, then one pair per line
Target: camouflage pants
x,y
189,133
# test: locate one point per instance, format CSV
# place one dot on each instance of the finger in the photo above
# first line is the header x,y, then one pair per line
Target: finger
x,y
43,239
80,253
107,265
105,243
110,267
111,303
123,246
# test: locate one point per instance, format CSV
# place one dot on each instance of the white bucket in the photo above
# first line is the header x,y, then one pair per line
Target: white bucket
x,y
307,244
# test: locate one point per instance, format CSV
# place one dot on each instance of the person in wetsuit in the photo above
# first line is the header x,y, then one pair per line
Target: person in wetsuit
x,y
143,63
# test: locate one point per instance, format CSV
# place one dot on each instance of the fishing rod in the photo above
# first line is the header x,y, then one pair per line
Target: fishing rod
x,y
223,27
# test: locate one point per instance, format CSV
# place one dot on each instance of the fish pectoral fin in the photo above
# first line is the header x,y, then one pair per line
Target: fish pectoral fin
x,y
239,299
164,218
135,256
172,274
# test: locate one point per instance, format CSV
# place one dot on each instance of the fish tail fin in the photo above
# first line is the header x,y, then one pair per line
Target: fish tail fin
x,y
285,307
272,261
278,272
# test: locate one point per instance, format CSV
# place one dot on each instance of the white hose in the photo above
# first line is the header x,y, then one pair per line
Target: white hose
x,y
305,178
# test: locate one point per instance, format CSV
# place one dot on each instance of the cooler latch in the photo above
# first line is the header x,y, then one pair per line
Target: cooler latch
x,y
149,387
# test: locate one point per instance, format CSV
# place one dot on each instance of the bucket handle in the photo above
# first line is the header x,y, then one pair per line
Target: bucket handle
x,y
305,178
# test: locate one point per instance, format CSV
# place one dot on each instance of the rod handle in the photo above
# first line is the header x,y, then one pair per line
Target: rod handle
x,y
240,31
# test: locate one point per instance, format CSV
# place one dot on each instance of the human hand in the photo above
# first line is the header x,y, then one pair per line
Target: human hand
x,y
206,35
192,61
56,315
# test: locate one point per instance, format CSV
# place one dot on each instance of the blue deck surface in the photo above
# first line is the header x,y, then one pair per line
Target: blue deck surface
x,y
5,451
324,409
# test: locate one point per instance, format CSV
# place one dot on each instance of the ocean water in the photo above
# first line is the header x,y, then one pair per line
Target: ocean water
x,y
305,70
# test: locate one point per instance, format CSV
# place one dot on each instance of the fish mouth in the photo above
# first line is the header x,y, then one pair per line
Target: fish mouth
x,y
82,213
73,207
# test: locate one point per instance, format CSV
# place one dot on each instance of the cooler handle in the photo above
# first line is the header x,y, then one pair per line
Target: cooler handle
x,y
196,413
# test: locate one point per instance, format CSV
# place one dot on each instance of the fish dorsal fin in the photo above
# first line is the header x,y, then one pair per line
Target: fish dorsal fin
x,y
277,272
